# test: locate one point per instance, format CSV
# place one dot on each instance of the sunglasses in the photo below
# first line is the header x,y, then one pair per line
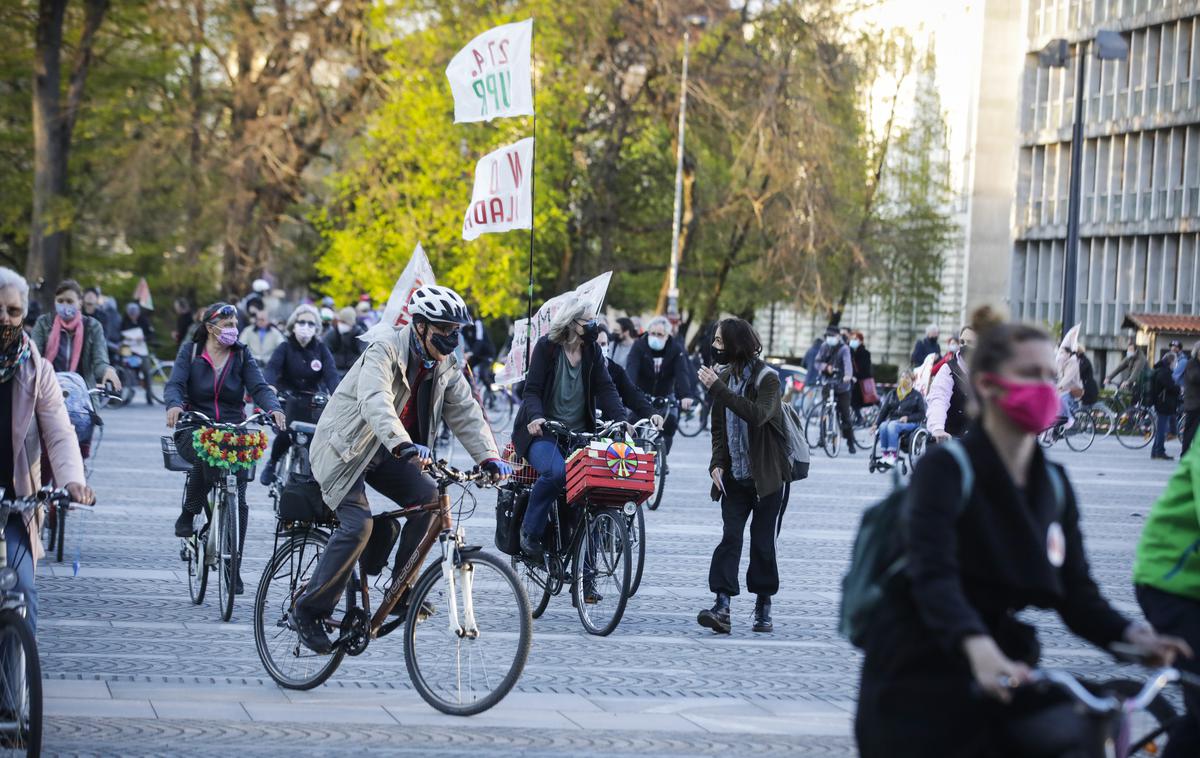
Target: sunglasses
x,y
225,311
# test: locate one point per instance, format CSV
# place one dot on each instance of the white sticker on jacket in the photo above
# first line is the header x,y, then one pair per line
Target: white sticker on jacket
x,y
315,365
1056,545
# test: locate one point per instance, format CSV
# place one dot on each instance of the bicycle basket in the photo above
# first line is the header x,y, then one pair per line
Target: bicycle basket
x,y
172,460
610,474
523,473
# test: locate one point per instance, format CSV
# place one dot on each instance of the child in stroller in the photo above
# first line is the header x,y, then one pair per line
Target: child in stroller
x,y
899,427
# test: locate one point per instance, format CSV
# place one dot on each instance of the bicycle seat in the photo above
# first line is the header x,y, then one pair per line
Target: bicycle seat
x,y
303,427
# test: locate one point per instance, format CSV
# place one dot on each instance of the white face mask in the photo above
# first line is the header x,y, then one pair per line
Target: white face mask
x,y
657,343
854,344
343,328
304,332
833,341
606,349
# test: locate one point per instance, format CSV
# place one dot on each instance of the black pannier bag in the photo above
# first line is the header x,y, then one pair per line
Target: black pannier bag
x,y
301,501
510,512
384,534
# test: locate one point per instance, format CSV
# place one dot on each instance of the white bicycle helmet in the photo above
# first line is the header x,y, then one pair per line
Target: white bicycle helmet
x,y
440,304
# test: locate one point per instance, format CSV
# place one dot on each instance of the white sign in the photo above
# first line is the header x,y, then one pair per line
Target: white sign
x,y
490,77
502,198
592,291
418,273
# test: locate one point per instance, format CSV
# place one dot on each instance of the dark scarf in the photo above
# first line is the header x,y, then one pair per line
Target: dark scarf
x,y
16,353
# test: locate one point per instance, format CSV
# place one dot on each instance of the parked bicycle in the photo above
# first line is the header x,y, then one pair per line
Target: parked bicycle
x,y
467,626
215,544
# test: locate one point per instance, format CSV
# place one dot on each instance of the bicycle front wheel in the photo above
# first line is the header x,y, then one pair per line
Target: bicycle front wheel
x,y
227,554
284,579
602,572
812,427
21,696
459,667
691,422
1135,428
829,433
636,526
1103,419
1082,433
1147,729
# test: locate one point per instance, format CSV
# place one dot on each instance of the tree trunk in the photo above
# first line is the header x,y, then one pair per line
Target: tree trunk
x,y
735,246
686,223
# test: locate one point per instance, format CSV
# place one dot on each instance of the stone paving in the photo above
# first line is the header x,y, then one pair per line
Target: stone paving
x,y
133,668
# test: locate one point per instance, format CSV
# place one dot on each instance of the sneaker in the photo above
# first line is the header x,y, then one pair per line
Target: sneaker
x,y
312,633
1161,457
183,525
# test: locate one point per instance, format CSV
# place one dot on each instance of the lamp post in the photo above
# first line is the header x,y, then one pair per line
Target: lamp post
x,y
673,279
1109,46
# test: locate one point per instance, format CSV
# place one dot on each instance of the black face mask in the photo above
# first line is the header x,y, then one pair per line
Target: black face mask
x,y
721,356
591,331
444,343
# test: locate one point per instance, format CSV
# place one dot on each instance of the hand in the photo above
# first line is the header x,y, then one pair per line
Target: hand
x,y
904,419
499,469
173,415
1162,649
706,376
657,421
279,419
81,493
685,404
110,377
940,437
995,674
716,475
535,427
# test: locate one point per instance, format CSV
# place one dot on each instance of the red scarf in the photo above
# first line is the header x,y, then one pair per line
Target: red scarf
x,y
75,325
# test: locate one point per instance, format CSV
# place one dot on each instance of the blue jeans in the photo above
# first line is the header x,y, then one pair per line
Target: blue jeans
x,y
1164,424
547,459
20,557
890,433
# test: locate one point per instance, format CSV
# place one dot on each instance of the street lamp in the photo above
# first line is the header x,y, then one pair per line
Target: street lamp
x,y
1109,46
673,280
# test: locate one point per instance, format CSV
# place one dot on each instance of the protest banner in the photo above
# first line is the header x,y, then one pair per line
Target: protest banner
x,y
503,196
416,274
491,77
592,291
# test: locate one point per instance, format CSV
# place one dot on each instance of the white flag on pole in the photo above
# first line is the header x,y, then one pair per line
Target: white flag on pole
x,y
592,291
503,197
418,273
490,77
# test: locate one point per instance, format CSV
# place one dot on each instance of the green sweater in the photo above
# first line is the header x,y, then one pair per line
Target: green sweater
x,y
1168,555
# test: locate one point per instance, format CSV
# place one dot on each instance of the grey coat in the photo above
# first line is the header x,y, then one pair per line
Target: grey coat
x,y
93,361
364,413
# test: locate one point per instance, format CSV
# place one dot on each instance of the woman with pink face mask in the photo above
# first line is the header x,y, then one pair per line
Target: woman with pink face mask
x,y
945,645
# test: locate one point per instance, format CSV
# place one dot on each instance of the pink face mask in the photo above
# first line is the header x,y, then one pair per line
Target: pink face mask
x,y
1032,406
228,336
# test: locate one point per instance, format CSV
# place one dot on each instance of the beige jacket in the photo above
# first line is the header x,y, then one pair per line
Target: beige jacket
x,y
364,413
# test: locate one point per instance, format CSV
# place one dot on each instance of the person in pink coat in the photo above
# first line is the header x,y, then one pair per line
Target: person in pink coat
x,y
35,417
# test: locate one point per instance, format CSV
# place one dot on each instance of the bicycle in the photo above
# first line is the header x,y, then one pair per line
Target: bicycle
x,y
215,543
665,406
295,463
591,553
695,419
21,696
1079,435
487,624
822,420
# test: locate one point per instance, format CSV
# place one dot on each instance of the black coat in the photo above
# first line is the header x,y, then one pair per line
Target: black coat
x,y
1087,377
923,348
302,369
598,390
861,358
911,407
1163,390
345,347
635,402
1191,386
194,386
660,373
970,574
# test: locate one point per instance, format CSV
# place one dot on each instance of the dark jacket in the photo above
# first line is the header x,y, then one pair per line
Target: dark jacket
x,y
659,373
194,386
838,358
1164,392
1191,387
970,574
924,347
345,347
297,369
1087,377
770,466
860,358
598,390
634,401
911,407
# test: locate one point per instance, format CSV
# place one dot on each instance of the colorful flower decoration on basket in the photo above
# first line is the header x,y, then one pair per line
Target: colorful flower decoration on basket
x,y
621,459
229,450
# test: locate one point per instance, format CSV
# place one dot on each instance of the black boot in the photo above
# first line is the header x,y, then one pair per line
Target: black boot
x,y
183,525
531,546
717,617
762,614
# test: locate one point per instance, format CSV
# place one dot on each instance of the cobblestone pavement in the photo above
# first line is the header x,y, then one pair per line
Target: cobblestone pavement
x,y
132,667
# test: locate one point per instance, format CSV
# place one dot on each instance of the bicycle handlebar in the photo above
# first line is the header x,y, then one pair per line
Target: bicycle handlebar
x,y
561,430
254,418
1159,680
44,496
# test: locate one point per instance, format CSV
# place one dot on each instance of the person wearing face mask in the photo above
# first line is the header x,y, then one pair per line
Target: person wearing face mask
x,y
927,346
632,398
72,341
902,412
1132,373
261,337
567,382
212,375
948,399
137,333
835,367
658,365
1164,394
300,368
945,646
862,391
626,337
343,340
376,431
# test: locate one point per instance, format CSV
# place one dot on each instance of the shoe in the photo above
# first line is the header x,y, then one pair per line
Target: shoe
x,y
401,608
889,459
238,588
267,477
312,633
183,525
762,614
717,617
666,469
531,546
851,448
1162,457
591,595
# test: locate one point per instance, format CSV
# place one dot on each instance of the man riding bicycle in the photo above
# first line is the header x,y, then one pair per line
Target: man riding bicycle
x,y
659,367
376,430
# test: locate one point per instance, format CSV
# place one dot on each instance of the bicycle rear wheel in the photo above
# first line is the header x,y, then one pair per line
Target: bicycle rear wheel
x,y
691,422
660,475
284,579
1135,428
465,674
227,554
636,526
1148,728
21,694
1103,419
537,583
602,572
1082,433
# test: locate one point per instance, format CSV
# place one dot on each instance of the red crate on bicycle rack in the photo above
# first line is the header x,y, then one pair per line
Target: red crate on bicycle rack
x,y
612,473
523,473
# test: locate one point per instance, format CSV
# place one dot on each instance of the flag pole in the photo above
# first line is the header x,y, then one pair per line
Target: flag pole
x,y
532,204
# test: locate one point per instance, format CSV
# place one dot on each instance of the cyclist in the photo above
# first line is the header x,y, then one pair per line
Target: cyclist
x,y
72,341
948,397
212,375
33,416
659,367
1132,373
633,399
950,627
343,340
376,430
567,382
136,319
300,368
835,365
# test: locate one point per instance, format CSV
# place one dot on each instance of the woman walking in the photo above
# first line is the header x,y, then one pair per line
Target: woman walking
x,y
862,392
749,468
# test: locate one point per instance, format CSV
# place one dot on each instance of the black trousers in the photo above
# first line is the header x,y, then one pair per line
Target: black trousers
x,y
200,481
402,482
741,503
1191,420
298,409
1178,616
